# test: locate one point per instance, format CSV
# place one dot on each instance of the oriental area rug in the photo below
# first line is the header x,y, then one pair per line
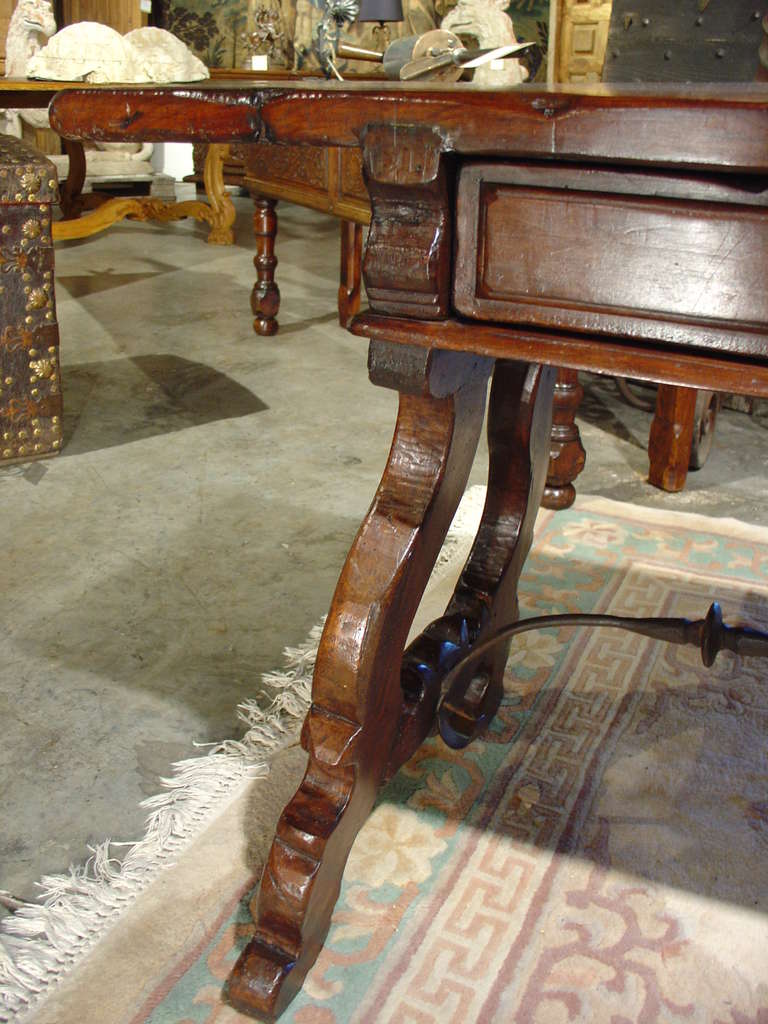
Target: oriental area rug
x,y
600,857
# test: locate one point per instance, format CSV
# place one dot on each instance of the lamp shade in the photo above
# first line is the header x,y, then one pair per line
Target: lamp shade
x,y
380,10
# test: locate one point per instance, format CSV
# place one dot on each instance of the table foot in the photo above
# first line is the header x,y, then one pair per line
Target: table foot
x,y
265,297
357,701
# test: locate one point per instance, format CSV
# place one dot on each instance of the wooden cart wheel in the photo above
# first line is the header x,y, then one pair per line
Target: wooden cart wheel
x,y
707,406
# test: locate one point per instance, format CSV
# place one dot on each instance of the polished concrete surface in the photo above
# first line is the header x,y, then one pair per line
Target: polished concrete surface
x,y
198,516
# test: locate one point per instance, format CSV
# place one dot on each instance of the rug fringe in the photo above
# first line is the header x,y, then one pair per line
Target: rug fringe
x,y
41,942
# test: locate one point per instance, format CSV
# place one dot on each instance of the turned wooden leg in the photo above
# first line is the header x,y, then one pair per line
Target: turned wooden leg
x,y
265,297
351,271
222,209
669,444
567,454
357,699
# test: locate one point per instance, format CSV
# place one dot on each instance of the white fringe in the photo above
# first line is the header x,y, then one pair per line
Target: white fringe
x,y
41,942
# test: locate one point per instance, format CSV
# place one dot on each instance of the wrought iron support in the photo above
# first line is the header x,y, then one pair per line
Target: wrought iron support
x,y
468,706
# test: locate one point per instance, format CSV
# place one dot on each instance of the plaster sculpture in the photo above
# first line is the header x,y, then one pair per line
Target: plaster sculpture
x,y
486,21
32,22
90,52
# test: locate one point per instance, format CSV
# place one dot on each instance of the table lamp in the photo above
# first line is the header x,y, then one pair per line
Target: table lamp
x,y
381,11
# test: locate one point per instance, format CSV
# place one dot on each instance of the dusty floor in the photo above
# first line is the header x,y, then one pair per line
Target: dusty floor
x,y
197,519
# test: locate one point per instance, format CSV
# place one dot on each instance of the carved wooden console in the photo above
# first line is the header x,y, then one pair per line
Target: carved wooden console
x,y
463,185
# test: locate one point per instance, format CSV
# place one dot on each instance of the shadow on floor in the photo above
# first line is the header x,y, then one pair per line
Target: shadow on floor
x,y
124,400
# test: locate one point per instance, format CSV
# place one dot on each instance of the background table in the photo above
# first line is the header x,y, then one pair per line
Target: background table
x,y
218,212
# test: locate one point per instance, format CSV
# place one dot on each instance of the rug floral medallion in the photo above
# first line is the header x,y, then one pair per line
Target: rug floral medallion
x,y
601,856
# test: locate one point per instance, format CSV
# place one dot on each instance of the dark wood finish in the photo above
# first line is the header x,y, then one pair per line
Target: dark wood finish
x,y
357,701
519,423
566,455
351,270
597,355
526,222
265,297
669,446
720,128
618,149
407,263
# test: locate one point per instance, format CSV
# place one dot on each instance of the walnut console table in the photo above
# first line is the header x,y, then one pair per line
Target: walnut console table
x,y
463,183
330,179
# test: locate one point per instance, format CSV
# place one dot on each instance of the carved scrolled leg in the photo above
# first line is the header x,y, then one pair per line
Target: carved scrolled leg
x,y
351,271
353,723
221,215
265,297
519,421
567,455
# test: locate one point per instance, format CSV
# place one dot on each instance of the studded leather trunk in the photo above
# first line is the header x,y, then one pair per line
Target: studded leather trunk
x,y
30,384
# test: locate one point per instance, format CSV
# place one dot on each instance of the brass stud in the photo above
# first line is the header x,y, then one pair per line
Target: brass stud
x,y
7,453
26,276
38,447
36,432
21,450
52,349
56,419
52,183
19,196
33,379
35,392
56,443
6,229
9,380
29,319
33,353
49,316
6,436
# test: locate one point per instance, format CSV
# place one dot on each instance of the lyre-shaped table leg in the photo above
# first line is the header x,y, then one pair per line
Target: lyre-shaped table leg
x,y
519,421
356,699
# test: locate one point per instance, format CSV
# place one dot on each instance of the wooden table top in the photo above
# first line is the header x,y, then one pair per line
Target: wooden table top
x,y
696,126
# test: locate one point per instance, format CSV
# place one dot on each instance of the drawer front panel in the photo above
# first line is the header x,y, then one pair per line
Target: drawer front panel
x,y
658,266
297,166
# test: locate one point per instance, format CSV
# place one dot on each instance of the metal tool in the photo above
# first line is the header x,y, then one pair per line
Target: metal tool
x,y
437,54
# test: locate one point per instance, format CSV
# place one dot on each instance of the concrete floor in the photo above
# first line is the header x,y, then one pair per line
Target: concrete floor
x,y
197,518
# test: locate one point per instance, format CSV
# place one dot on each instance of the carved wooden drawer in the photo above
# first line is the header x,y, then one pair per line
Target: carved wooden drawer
x,y
328,179
606,251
